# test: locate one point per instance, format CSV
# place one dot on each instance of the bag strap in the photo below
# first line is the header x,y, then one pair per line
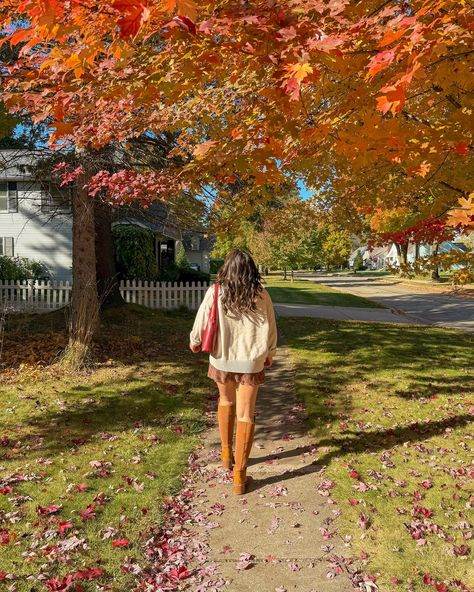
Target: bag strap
x,y
215,303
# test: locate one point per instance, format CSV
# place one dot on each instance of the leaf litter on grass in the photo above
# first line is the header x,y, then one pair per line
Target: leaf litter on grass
x,y
391,410
86,461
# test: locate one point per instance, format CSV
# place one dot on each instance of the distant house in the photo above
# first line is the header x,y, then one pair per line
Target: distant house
x,y
426,250
378,258
36,221
198,248
387,256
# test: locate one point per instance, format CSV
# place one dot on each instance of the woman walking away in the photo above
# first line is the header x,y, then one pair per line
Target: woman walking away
x,y
245,346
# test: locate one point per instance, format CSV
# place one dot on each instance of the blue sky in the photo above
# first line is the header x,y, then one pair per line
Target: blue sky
x,y
304,191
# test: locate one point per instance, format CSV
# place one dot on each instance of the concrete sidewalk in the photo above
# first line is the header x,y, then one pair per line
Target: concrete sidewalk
x,y
452,311
282,535
347,313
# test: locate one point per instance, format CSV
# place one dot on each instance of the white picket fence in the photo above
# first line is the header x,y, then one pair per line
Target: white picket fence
x,y
49,295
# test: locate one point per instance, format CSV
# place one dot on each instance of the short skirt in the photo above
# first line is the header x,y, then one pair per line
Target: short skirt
x,y
250,378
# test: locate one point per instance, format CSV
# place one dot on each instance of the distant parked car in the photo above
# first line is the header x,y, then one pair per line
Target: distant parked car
x,y
195,266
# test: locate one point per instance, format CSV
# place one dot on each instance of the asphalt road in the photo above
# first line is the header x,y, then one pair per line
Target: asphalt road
x,y
448,310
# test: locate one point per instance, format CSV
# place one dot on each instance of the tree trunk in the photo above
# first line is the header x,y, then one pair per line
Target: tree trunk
x,y
84,322
417,251
292,277
107,283
402,251
284,273
435,272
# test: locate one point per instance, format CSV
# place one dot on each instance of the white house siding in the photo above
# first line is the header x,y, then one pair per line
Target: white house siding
x,y
199,257
38,236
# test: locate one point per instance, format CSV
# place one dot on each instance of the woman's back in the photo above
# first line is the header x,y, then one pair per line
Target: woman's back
x,y
246,343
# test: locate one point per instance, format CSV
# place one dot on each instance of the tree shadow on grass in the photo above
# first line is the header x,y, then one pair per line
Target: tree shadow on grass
x,y
350,350
154,379
360,442
167,401
372,357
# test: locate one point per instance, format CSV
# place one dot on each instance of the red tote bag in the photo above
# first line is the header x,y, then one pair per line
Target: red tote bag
x,y
209,336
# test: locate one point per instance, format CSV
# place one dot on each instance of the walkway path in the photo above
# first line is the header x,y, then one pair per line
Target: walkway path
x,y
282,534
345,313
447,310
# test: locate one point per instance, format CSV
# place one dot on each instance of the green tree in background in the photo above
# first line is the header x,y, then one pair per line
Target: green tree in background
x,y
135,252
358,264
336,248
181,259
13,269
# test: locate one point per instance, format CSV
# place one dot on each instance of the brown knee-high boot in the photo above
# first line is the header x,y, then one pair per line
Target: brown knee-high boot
x,y
243,445
226,421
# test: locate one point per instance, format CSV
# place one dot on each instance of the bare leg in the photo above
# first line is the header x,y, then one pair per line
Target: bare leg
x,y
246,400
226,420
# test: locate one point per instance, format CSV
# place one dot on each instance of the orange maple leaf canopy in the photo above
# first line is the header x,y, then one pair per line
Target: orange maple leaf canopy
x,y
368,102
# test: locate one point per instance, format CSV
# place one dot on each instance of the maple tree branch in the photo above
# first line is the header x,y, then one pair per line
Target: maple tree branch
x,y
379,8
449,97
456,189
413,117
450,57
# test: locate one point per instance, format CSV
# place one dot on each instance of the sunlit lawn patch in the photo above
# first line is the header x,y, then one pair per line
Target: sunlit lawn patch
x,y
86,460
306,292
391,408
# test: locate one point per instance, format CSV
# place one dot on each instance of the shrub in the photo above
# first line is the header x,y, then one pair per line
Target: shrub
x,y
215,265
13,269
181,259
172,273
358,264
135,252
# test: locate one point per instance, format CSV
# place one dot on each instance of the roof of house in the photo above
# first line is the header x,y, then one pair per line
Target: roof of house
x,y
362,249
449,246
376,252
205,242
157,218
15,163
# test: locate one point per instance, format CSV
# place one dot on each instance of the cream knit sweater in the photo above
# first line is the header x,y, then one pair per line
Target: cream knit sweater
x,y
244,340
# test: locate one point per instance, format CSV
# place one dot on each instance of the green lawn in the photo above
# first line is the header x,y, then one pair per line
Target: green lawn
x,y
391,408
305,292
113,440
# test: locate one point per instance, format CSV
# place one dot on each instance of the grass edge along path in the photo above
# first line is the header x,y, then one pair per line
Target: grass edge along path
x,y
87,461
390,408
306,292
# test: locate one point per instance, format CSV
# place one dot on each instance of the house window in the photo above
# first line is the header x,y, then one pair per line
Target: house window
x,y
56,199
8,197
195,243
6,246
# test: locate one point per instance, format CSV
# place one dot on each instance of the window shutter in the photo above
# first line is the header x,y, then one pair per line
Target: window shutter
x,y
8,246
1,246
3,196
12,196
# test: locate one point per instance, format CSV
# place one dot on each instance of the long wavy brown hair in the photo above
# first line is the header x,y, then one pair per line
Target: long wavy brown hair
x,y
241,282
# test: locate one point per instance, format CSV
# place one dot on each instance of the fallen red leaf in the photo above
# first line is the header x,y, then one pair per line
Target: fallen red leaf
x,y
179,573
64,525
88,513
90,573
46,510
120,543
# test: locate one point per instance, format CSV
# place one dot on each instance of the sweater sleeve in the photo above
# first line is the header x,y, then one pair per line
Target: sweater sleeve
x,y
200,322
272,330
